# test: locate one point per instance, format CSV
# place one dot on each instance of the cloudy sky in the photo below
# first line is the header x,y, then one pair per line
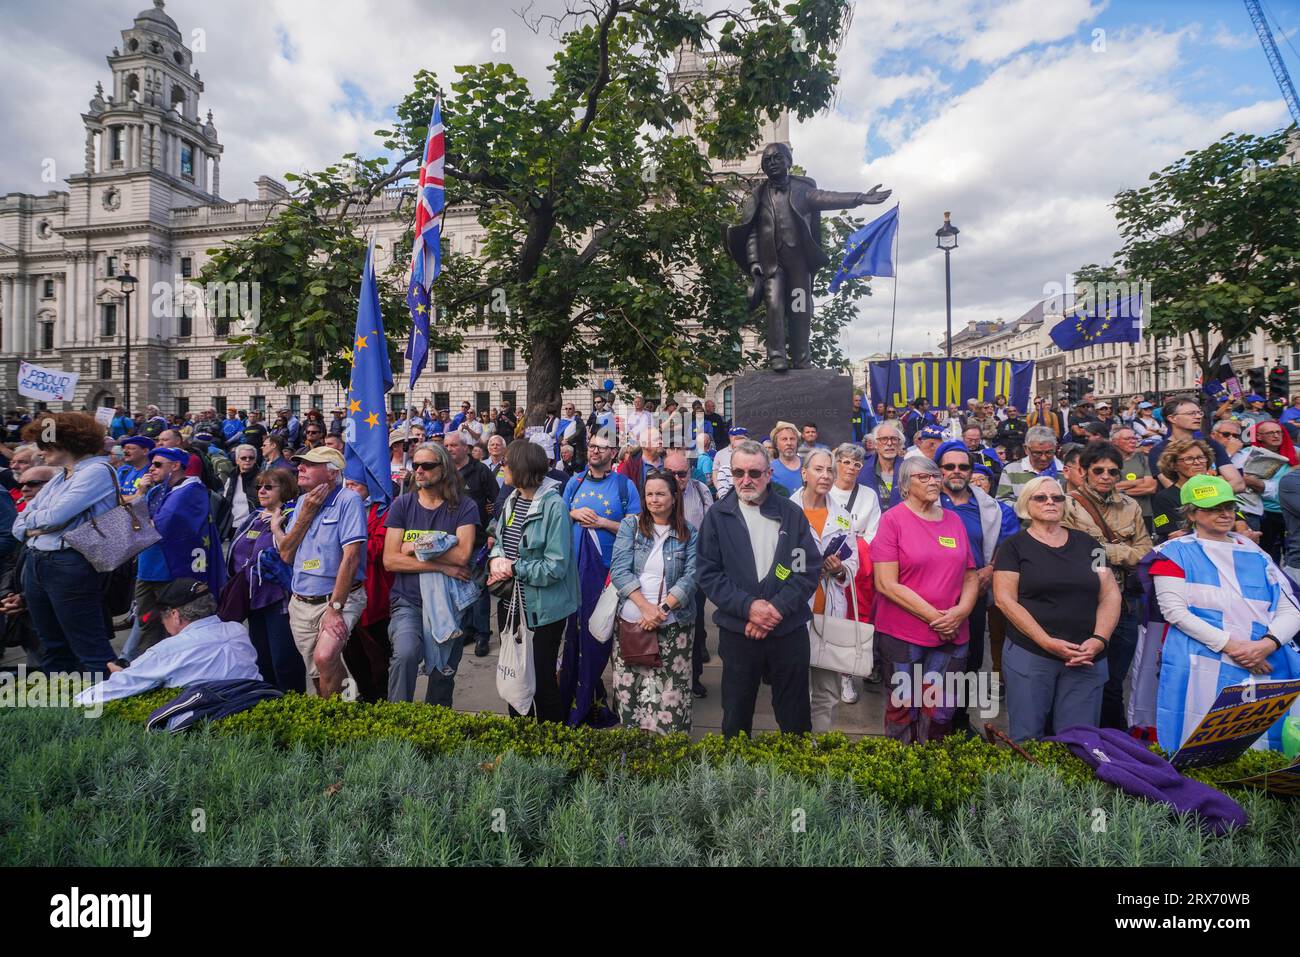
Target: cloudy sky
x,y
1022,117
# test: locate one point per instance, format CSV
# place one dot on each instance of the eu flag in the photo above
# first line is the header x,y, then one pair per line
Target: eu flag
x,y
869,250
366,450
417,349
1109,322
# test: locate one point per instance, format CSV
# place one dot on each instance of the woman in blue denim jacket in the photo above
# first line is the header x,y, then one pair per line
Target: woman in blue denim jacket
x,y
653,569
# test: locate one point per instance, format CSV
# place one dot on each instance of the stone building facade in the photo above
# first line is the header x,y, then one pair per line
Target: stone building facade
x,y
148,202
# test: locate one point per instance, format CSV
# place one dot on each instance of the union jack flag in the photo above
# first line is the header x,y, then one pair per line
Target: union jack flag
x,y
426,253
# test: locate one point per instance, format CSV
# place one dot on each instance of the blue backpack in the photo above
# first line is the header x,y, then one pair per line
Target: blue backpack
x,y
210,701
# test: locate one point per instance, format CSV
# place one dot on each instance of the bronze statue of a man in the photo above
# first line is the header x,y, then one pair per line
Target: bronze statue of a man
x,y
778,242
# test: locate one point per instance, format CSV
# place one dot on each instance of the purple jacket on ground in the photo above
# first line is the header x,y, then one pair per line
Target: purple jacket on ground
x,y
1120,760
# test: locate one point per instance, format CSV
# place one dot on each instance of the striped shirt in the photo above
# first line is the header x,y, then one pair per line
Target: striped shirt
x,y
512,531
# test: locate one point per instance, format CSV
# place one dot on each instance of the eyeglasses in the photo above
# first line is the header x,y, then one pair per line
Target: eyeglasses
x,y
1192,460
1102,470
1042,498
851,463
954,467
1223,508
267,488
925,477
428,466
30,484
754,474
1270,434
887,440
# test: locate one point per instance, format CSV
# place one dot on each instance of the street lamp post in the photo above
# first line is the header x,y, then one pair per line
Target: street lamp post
x,y
947,241
127,283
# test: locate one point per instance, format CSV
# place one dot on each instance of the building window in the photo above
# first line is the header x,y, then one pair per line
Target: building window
x,y
106,368
396,403
108,319
110,267
218,369
726,402
183,405
295,404
509,397
47,335
600,363
219,404
1295,357
480,360
441,401
508,360
115,144
318,403
259,403
221,327
185,321
441,361
47,289
482,402
187,267
187,161
182,368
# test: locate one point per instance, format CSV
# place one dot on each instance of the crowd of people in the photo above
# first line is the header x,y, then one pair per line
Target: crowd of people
x,y
1084,564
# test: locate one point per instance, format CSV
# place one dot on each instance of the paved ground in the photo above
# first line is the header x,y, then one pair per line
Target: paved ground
x,y
476,691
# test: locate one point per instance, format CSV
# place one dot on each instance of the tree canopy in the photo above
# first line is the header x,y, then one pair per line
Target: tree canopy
x,y
1217,236
601,217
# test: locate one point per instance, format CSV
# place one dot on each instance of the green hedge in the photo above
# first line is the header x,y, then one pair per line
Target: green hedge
x,y
938,777
77,792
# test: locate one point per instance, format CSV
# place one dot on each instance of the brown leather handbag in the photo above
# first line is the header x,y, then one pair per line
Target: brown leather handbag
x,y
636,645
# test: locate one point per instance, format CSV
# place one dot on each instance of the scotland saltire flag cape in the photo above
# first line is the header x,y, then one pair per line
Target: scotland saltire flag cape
x,y
869,251
366,450
426,254
585,658
1233,586
1118,322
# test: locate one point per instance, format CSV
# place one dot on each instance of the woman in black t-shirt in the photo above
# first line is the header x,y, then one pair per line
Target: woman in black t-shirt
x,y
1061,603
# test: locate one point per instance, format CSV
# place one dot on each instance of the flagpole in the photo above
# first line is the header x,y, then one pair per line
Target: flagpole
x,y
893,314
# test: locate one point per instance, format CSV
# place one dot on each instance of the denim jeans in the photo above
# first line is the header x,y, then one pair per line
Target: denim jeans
x,y
65,596
1123,645
406,631
478,621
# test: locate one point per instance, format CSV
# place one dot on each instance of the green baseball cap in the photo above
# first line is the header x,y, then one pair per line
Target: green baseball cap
x,y
1206,491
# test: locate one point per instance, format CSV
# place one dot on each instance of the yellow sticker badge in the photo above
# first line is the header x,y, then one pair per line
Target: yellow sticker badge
x,y
1131,477
782,572
842,521
311,565
947,542
1160,520
1204,491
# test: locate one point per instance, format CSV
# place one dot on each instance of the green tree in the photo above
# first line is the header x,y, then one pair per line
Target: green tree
x,y
602,219
1217,236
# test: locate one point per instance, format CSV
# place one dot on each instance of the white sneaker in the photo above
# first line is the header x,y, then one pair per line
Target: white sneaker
x,y
848,693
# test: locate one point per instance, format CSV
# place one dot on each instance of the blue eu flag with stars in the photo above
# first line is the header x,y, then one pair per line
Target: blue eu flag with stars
x,y
869,251
366,432
1119,321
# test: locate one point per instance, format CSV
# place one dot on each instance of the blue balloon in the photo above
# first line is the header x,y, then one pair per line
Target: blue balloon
x,y
609,385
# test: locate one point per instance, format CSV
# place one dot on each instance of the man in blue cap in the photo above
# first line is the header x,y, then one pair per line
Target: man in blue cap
x,y
722,461
189,547
135,453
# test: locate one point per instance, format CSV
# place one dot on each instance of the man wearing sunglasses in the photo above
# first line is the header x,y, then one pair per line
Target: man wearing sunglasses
x,y
1114,520
190,546
986,525
759,564
1183,418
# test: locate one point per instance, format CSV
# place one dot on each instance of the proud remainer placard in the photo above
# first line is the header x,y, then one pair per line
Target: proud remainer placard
x,y
49,385
946,382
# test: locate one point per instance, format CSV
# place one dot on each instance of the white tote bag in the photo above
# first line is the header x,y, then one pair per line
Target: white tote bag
x,y
601,622
842,644
516,678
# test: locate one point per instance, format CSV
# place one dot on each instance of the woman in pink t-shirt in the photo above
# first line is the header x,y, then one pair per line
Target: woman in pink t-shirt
x,y
925,589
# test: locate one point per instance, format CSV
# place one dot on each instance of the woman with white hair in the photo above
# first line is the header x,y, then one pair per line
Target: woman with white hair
x,y
239,496
1061,606
837,551
926,587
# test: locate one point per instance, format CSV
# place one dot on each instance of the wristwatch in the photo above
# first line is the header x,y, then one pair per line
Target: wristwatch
x,y
663,606
336,605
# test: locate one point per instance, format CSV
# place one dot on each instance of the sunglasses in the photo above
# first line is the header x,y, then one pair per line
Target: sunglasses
x,y
30,484
1234,435
156,465
267,488
954,467
1102,470
1042,498
754,474
428,466
679,473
